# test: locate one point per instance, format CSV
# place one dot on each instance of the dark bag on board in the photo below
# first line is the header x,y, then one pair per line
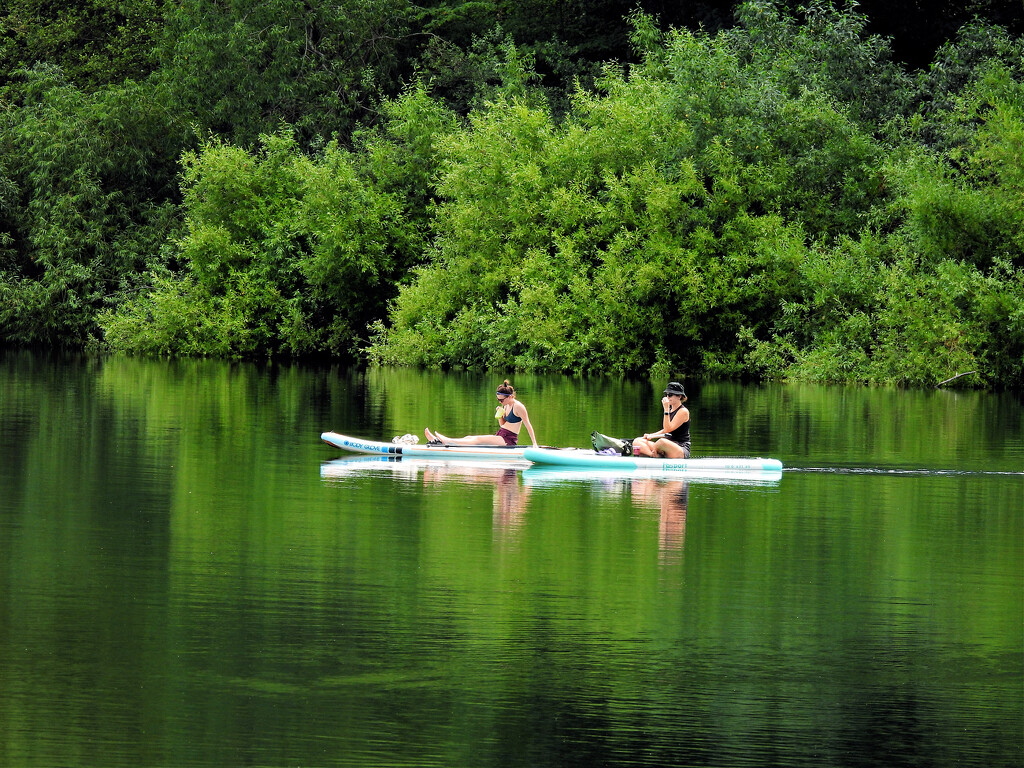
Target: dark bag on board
x,y
605,444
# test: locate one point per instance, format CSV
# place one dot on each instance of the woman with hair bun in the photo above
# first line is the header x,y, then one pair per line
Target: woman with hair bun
x,y
511,415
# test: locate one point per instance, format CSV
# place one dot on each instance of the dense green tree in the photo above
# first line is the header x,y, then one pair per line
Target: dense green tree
x,y
536,184
660,218
943,293
95,44
401,156
284,253
722,210
85,182
827,51
243,68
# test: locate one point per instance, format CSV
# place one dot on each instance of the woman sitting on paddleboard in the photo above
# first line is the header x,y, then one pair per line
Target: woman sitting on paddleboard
x,y
511,415
673,440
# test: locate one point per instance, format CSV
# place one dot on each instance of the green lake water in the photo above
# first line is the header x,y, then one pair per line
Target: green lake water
x,y
189,577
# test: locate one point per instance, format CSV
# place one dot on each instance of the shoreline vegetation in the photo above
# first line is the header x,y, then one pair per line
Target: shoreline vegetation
x,y
775,196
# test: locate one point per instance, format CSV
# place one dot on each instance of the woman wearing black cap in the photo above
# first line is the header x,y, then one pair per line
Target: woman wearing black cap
x,y
673,440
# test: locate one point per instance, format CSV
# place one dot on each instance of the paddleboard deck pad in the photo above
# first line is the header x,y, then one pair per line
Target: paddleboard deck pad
x,y
593,460
375,447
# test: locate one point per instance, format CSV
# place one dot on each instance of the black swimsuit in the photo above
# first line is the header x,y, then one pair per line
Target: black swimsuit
x,y
680,434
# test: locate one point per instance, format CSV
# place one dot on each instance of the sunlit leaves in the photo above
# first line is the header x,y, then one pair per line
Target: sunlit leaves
x,y
730,206
289,254
642,228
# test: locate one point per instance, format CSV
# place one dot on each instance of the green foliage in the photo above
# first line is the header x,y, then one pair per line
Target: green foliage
x,y
648,229
491,68
243,68
729,207
86,208
944,121
95,44
872,314
826,51
777,199
175,317
401,156
950,218
287,254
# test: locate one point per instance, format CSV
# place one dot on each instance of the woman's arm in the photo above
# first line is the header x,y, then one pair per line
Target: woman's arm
x,y
670,423
681,417
666,420
529,427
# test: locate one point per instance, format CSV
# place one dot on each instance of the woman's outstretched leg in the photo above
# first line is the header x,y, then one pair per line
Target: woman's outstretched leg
x,y
469,439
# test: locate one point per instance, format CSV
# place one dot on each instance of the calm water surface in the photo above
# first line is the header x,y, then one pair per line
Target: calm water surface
x,y
188,577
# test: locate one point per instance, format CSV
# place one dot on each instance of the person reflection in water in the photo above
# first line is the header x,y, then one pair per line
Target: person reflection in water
x,y
511,415
510,496
671,498
510,503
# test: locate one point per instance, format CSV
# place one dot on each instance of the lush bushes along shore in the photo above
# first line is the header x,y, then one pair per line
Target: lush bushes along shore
x,y
779,199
